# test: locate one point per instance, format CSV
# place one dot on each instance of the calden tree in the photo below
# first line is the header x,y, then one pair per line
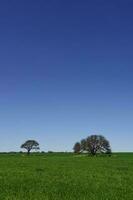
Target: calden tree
x,y
93,144
83,145
97,144
30,145
77,147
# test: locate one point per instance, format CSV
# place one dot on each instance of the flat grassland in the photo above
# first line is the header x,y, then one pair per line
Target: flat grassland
x,y
66,177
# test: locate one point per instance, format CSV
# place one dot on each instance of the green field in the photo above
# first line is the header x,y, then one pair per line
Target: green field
x,y
66,177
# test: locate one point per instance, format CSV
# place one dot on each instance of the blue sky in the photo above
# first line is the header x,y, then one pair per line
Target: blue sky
x,y
66,71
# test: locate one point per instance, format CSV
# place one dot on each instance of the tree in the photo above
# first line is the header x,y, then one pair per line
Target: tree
x,y
77,147
93,144
30,145
97,144
83,145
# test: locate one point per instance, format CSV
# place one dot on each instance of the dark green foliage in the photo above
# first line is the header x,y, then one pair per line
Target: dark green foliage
x,y
83,145
77,147
97,144
94,144
50,152
30,145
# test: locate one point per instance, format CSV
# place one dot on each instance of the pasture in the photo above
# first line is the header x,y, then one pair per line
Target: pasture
x,y
66,177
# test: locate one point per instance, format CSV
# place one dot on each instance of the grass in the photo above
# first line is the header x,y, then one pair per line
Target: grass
x,y
66,177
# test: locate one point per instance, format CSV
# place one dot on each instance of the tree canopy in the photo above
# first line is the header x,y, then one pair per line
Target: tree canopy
x,y
77,147
94,144
30,145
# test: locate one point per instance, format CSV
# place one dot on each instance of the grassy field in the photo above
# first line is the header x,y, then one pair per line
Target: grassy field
x,y
66,177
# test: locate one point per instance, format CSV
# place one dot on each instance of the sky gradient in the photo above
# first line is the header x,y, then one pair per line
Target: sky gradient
x,y
66,71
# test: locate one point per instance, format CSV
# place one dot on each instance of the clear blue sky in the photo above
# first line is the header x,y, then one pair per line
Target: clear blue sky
x,y
66,71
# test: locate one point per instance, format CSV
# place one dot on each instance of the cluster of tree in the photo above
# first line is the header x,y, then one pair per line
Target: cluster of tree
x,y
93,144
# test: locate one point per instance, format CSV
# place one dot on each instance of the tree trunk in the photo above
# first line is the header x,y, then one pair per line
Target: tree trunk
x,y
28,152
93,152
